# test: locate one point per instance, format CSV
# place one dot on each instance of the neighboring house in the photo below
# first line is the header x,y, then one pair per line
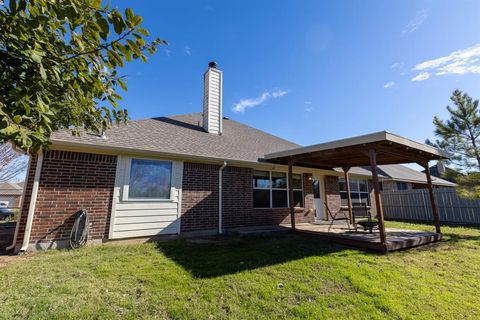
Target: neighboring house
x,y
11,194
399,177
439,170
193,174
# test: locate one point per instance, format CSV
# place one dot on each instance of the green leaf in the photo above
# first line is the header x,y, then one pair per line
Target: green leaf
x,y
35,55
129,14
122,84
137,20
143,31
104,27
17,119
42,72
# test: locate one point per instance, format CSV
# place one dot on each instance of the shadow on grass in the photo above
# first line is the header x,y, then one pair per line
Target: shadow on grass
x,y
218,256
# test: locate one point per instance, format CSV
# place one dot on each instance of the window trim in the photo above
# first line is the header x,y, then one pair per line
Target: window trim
x,y
271,188
357,180
126,182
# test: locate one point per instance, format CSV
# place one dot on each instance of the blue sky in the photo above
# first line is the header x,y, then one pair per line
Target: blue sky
x,y
311,71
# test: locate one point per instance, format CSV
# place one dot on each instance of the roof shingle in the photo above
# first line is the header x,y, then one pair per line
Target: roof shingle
x,y
184,135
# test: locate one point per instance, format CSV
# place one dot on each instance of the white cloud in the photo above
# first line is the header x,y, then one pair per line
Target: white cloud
x,y
458,62
167,52
308,102
416,22
389,84
187,51
309,109
244,104
421,76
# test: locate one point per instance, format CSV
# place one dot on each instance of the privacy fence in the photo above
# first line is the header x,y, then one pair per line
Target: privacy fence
x,y
415,205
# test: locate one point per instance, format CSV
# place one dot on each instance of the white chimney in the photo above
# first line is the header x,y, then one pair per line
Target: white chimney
x,y
212,99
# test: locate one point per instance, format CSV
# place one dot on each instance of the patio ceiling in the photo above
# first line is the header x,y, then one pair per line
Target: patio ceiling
x,y
353,152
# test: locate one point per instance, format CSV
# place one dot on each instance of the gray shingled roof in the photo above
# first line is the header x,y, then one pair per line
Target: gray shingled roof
x,y
11,188
183,135
399,172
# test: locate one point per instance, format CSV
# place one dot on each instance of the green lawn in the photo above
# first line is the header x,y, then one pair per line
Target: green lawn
x,y
256,277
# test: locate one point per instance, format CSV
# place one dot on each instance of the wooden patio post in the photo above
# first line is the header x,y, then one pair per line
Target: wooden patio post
x,y
381,225
436,218
349,199
290,193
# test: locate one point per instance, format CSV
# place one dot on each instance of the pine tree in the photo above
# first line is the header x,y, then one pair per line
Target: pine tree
x,y
460,135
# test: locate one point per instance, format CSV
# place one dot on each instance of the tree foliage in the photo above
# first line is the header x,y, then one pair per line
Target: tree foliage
x,y
469,185
460,135
59,64
13,164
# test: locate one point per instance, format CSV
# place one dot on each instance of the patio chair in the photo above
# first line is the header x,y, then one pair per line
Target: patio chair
x,y
362,217
337,216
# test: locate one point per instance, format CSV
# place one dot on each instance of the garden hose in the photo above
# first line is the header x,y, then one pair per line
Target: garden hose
x,y
80,229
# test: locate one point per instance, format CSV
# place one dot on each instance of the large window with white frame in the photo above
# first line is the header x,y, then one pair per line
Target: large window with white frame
x,y
270,189
358,191
149,180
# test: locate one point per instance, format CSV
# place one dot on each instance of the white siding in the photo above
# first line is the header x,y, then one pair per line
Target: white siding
x,y
212,101
145,218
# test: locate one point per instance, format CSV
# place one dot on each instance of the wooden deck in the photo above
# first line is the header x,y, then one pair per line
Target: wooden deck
x,y
397,239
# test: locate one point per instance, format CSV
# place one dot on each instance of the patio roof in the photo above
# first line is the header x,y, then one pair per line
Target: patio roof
x,y
371,149
353,152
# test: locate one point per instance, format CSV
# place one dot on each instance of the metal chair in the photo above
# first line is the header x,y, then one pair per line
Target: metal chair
x,y
361,216
337,216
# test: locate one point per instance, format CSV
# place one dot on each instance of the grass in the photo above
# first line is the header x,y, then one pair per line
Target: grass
x,y
255,277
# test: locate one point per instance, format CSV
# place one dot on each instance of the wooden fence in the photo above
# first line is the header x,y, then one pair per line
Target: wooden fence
x,y
415,205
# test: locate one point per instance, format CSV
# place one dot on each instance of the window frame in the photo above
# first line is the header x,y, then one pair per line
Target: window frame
x,y
271,189
126,182
358,192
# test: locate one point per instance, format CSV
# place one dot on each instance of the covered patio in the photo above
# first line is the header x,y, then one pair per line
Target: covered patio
x,y
369,150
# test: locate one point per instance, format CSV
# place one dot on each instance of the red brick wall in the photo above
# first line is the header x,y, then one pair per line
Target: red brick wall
x,y
200,200
199,197
70,181
332,193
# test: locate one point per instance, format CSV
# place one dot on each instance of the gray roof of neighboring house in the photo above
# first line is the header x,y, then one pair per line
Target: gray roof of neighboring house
x,y
11,188
183,135
401,173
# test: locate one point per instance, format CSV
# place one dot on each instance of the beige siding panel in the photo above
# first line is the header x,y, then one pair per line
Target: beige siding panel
x,y
145,233
145,212
145,226
122,206
145,218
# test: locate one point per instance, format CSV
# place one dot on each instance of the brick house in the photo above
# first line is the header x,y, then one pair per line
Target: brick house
x,y
192,174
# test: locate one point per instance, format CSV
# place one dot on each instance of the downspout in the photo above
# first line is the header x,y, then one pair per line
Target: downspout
x,y
220,213
19,217
33,201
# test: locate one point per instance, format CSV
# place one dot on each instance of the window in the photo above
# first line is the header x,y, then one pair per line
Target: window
x,y
402,186
261,189
297,187
150,179
270,189
358,191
